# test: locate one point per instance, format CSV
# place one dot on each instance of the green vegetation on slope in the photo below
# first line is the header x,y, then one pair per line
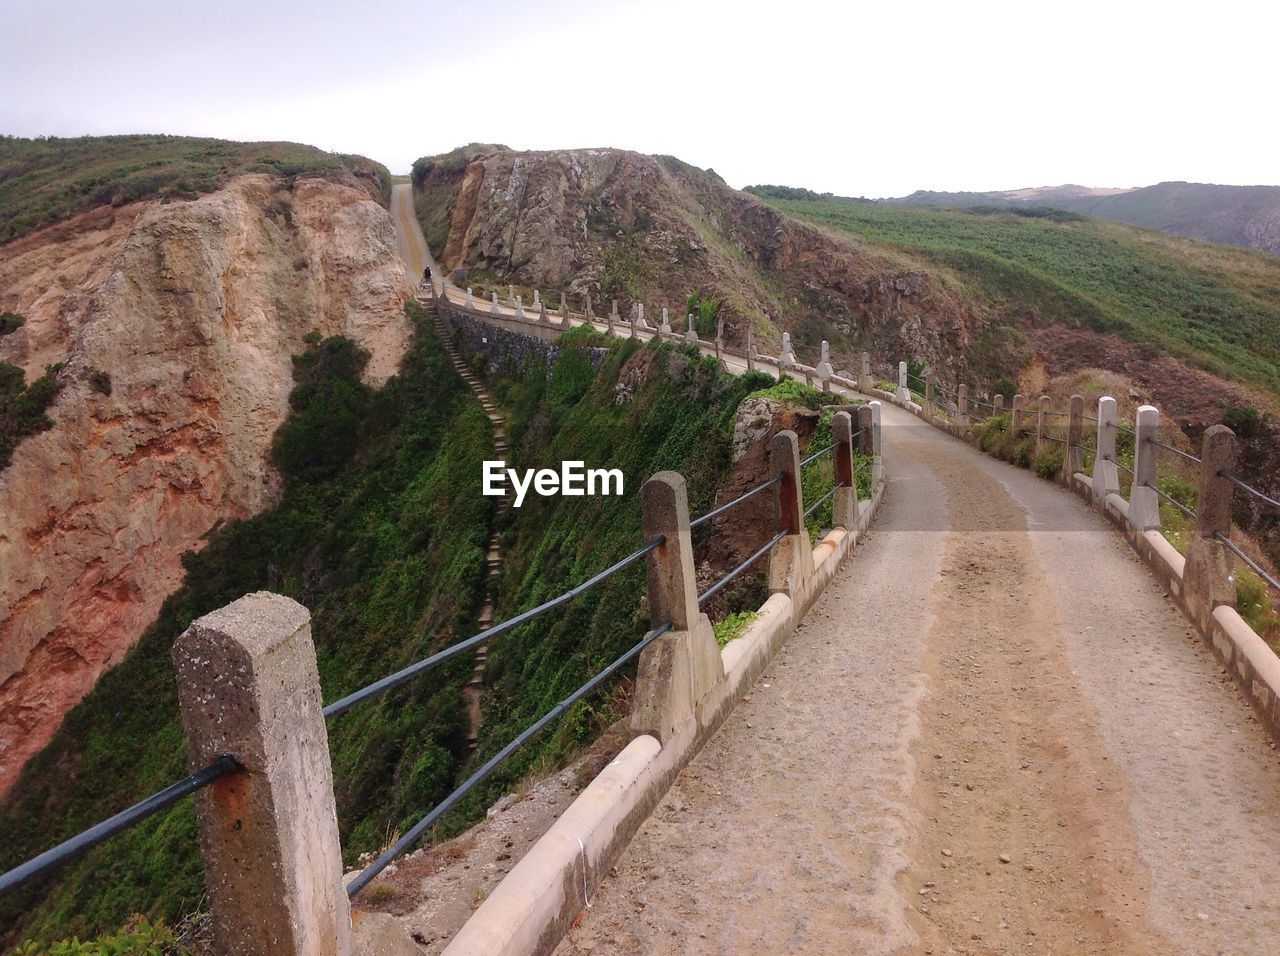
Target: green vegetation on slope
x,y
22,406
678,416
381,534
45,180
1212,306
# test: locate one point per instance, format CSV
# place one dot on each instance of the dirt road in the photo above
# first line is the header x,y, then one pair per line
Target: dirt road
x,y
993,734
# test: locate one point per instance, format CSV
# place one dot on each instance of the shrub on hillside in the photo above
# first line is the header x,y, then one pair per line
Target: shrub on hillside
x,y
1049,462
10,322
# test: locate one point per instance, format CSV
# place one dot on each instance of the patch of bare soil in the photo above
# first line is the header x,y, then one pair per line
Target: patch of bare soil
x,y
1025,843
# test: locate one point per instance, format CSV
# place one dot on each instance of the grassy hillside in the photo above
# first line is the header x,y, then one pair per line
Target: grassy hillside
x,y
381,533
45,180
1215,307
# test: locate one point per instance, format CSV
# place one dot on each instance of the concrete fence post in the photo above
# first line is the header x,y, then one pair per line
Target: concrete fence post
x,y
1073,460
751,350
929,393
719,343
1042,425
1208,576
844,508
1144,503
877,457
679,667
865,382
791,559
962,403
997,405
248,686
866,430
1106,476
471,303
904,395
824,370
1019,409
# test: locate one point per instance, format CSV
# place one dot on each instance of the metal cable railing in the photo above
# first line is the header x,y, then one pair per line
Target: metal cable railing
x,y
1257,569
86,839
821,501
444,806
710,592
1122,466
1176,451
702,519
379,687
1125,429
817,454
1173,501
1267,499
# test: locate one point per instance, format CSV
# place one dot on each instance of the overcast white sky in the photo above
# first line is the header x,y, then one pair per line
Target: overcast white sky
x,y
854,98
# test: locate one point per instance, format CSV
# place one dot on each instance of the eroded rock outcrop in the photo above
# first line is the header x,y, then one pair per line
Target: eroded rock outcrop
x,y
618,224
176,323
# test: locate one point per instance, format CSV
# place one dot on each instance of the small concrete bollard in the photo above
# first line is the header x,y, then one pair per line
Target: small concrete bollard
x,y
1144,503
962,404
471,304
679,667
787,355
877,459
493,306
690,333
844,507
520,308
791,559
1042,425
632,318
537,301
248,686
1106,476
1019,409
1073,459
751,350
865,382
824,370
997,405
866,430
903,394
664,329
1208,576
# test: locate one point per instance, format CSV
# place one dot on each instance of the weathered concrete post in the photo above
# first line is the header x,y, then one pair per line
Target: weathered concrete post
x,y
690,332
1042,425
511,296
1207,576
751,350
1019,406
844,507
791,559
471,304
520,308
248,686
1073,460
787,355
664,330
1144,503
877,460
719,342
543,318
929,384
865,383
997,405
537,301
962,404
1106,476
591,311
613,316
493,305
903,395
678,668
824,370
866,430
564,310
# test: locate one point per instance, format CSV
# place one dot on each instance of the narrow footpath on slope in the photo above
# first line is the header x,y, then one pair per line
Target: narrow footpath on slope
x,y
992,734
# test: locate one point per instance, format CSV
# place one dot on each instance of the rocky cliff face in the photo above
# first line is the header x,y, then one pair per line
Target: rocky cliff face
x,y
620,225
176,323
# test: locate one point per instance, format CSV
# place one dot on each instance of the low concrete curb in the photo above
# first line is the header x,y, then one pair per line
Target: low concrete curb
x,y
532,908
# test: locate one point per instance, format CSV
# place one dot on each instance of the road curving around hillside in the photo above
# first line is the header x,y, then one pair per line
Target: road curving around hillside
x,y
992,734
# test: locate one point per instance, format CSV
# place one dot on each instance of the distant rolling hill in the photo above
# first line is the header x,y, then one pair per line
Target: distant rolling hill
x,y
1246,216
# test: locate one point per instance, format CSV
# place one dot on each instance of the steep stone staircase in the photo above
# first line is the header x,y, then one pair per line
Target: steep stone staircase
x,y
493,551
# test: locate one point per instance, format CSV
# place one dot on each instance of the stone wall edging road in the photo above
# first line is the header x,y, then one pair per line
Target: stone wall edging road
x,y
533,907
1252,664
